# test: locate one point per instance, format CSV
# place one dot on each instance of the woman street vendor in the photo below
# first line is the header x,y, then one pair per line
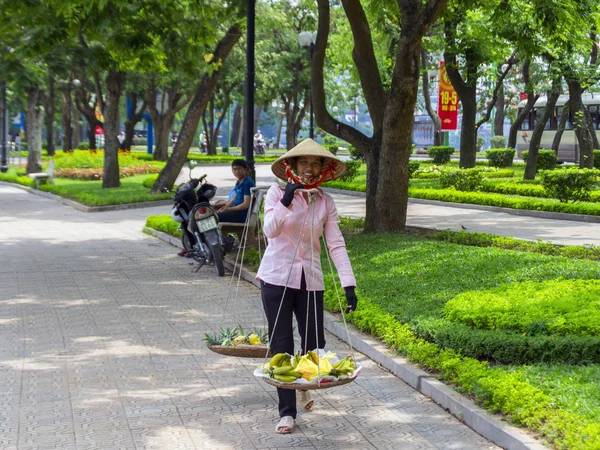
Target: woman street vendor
x,y
290,272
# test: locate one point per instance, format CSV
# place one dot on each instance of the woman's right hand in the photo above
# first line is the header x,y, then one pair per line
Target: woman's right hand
x,y
288,195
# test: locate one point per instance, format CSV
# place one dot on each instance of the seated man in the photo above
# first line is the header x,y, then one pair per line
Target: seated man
x,y
236,208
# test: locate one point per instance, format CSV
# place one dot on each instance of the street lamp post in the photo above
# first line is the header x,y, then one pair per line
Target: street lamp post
x,y
75,83
249,138
307,40
4,162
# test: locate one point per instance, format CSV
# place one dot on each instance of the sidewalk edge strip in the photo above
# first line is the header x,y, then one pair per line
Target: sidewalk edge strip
x,y
497,431
88,209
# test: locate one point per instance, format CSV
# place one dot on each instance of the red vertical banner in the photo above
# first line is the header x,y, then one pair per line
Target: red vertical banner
x,y
447,101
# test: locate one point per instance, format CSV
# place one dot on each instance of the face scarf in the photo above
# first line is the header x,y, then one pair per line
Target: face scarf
x,y
326,174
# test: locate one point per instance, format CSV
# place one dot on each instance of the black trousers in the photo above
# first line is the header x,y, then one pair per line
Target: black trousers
x,y
296,302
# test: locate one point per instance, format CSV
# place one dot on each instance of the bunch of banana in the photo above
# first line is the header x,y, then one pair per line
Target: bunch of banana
x,y
342,367
280,368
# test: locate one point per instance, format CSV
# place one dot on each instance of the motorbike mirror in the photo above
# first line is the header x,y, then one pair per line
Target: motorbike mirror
x,y
192,164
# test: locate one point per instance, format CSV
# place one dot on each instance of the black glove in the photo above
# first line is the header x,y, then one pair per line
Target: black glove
x,y
351,299
288,195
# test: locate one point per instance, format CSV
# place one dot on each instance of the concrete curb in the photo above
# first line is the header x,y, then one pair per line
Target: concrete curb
x,y
514,212
497,431
88,209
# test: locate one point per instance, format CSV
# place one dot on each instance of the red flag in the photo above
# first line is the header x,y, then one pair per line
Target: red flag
x,y
447,101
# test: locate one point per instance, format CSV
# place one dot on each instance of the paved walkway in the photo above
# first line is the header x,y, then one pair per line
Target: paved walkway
x,y
563,232
101,347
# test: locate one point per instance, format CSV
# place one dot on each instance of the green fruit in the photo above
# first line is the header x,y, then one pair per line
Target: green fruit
x,y
285,378
282,370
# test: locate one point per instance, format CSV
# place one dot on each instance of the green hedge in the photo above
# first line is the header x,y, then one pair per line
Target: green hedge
x,y
573,184
508,348
528,203
500,157
546,159
440,154
165,224
462,180
549,307
497,390
597,159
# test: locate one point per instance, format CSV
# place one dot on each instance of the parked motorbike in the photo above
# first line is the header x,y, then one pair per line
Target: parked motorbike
x,y
201,236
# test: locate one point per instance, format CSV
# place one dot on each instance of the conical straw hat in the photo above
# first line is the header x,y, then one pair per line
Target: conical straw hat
x,y
308,147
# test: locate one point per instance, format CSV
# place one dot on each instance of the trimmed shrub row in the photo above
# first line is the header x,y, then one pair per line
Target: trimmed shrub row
x,y
500,157
508,348
483,198
571,184
546,159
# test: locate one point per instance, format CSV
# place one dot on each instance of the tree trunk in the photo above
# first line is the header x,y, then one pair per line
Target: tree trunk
x,y
467,92
592,127
204,92
33,129
82,102
536,136
49,117
564,115
114,87
76,127
172,101
531,99
499,118
236,125
396,146
279,127
135,115
438,138
391,113
582,130
65,116
91,134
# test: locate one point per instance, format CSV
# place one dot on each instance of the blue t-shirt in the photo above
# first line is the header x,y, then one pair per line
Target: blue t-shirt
x,y
242,188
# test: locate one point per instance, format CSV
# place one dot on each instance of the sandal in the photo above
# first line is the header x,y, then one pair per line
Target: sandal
x,y
306,401
285,425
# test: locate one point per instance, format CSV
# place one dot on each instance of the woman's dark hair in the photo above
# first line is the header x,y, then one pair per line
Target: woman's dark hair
x,y
240,163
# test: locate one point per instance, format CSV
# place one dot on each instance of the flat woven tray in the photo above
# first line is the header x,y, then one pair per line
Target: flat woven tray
x,y
309,386
241,351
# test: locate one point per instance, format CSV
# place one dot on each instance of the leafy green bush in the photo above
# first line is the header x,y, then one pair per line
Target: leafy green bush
x,y
333,148
413,167
546,159
571,184
525,189
554,307
329,139
497,141
597,159
164,223
84,145
462,180
352,168
355,154
480,143
440,154
500,157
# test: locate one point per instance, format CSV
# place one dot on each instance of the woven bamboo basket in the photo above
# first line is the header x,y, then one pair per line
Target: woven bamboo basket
x,y
309,386
241,351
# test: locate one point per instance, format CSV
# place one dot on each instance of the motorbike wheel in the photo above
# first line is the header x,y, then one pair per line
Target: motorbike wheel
x,y
187,244
217,258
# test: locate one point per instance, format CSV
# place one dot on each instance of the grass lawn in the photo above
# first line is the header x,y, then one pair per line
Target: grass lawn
x,y
91,193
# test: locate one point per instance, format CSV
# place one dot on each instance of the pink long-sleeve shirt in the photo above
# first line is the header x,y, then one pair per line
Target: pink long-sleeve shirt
x,y
284,227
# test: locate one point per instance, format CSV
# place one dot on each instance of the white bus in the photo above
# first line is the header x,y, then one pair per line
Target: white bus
x,y
568,151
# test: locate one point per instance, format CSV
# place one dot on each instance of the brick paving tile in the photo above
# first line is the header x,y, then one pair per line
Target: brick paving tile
x,y
101,347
